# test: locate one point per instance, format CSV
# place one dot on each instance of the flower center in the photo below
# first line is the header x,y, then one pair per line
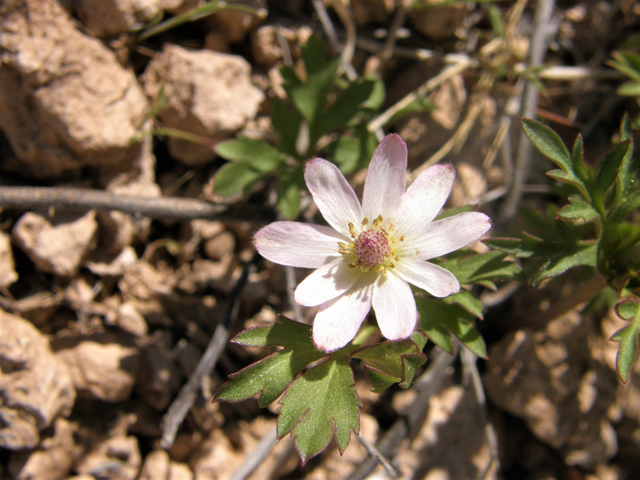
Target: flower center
x,y
372,248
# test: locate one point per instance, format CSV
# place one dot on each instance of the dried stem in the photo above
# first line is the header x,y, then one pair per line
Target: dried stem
x,y
187,396
164,207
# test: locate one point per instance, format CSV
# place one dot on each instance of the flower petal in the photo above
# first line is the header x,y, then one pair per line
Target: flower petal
x,y
436,280
423,199
446,235
332,193
326,283
298,244
385,181
395,306
338,320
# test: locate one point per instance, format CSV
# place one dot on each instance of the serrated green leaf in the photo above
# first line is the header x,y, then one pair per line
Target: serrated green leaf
x,y
479,268
607,172
468,301
548,143
434,315
379,381
629,165
628,337
576,255
578,209
234,177
270,376
468,334
287,125
627,309
566,177
397,360
259,155
319,402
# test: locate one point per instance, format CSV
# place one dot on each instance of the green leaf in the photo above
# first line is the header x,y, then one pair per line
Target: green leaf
x,y
434,315
628,166
345,107
310,97
287,125
394,362
468,301
489,266
259,155
270,376
578,210
234,177
436,331
320,402
607,172
628,205
628,337
548,143
417,105
629,89
288,202
576,255
376,99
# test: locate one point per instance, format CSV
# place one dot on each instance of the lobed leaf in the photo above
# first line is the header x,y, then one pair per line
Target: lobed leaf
x,y
287,125
393,362
437,316
607,172
270,376
578,209
479,268
628,337
318,404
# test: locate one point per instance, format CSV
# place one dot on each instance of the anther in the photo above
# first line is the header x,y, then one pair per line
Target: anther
x,y
352,230
365,220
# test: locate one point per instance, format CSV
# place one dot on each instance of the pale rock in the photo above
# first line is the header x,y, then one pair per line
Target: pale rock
x,y
179,471
65,100
210,94
469,186
117,457
451,99
35,386
109,18
144,282
103,365
59,247
233,24
156,466
454,418
265,44
552,382
8,273
53,458
159,377
109,265
130,320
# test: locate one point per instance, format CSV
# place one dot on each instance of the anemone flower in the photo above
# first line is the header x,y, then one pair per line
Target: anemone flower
x,y
370,253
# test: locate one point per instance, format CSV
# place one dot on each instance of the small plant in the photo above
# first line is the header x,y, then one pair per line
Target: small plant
x,y
596,229
301,126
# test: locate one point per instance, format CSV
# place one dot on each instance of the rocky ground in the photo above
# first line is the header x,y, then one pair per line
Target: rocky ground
x,y
104,315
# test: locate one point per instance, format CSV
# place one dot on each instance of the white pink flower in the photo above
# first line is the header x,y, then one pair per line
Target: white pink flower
x,y
371,252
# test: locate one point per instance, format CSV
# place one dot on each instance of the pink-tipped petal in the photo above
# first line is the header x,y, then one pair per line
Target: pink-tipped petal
x,y
385,181
327,283
446,235
424,198
338,320
395,306
332,193
427,276
298,244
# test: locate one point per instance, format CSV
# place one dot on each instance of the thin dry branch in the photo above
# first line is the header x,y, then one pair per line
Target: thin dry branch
x,y
168,208
187,396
